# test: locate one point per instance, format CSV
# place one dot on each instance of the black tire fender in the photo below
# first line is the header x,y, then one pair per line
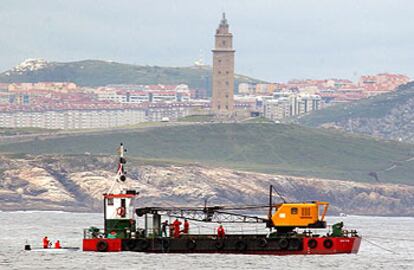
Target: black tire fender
x,y
141,245
219,244
241,245
312,243
327,243
283,243
130,245
165,244
102,246
294,244
262,242
191,244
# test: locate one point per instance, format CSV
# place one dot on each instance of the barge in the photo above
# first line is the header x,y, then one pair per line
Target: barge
x,y
291,227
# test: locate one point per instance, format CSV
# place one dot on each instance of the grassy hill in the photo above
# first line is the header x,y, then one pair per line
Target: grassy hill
x,y
261,147
23,131
98,73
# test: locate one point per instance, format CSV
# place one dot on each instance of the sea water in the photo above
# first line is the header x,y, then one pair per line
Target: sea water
x,y
388,243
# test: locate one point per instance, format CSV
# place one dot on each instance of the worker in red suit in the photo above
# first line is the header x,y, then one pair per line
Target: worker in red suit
x,y
186,229
220,232
45,242
57,244
176,224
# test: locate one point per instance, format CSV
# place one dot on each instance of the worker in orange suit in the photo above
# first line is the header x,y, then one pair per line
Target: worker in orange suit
x,y
186,229
57,244
220,231
45,242
176,225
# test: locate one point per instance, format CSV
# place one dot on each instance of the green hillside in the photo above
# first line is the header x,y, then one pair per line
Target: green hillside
x,y
262,147
99,73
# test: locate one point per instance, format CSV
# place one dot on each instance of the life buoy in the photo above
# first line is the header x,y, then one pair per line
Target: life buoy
x,y
283,243
294,244
102,246
120,211
262,242
312,243
219,244
191,244
241,245
327,243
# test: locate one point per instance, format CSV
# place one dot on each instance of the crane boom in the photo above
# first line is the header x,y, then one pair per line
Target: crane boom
x,y
215,214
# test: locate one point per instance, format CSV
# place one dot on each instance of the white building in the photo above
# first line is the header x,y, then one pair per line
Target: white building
x,y
282,106
246,88
276,109
72,119
172,111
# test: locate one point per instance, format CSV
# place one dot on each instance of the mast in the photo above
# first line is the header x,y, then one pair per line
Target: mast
x,y
119,219
269,215
120,173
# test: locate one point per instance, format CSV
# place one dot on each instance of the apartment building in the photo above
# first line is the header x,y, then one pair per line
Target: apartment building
x,y
283,106
72,119
157,111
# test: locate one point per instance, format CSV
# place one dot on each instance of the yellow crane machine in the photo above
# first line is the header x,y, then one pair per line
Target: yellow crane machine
x,y
287,216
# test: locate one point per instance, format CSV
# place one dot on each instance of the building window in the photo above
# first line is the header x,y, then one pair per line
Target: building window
x,y
227,107
227,82
110,201
223,42
219,72
219,60
218,107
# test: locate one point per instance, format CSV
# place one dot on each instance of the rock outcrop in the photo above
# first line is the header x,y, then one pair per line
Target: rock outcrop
x,y
76,183
389,116
397,124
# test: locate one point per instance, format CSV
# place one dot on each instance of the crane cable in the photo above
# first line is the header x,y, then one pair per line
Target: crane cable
x,y
278,194
391,238
379,246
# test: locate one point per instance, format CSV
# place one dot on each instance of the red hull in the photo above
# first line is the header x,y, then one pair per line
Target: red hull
x,y
340,245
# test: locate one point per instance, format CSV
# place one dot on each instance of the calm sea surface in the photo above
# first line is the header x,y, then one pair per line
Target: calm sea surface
x,y
388,244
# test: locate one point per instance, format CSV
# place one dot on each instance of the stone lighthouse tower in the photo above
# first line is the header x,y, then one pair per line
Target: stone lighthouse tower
x,y
223,70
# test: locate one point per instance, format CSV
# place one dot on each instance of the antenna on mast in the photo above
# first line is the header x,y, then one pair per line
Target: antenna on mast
x,y
120,173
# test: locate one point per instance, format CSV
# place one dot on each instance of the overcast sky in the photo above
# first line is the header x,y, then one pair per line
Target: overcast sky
x,y
274,40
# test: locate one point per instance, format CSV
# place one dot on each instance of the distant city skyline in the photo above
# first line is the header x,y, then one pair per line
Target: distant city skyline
x,y
274,40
